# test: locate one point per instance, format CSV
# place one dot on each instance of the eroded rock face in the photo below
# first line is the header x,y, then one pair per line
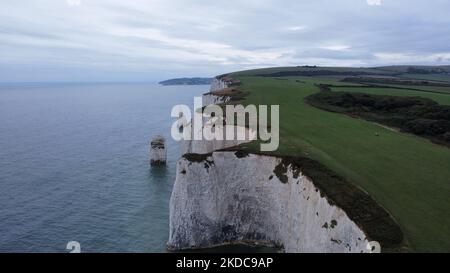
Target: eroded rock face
x,y
208,146
210,98
218,84
229,197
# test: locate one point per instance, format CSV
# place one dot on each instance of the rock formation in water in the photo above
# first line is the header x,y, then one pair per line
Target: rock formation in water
x,y
158,151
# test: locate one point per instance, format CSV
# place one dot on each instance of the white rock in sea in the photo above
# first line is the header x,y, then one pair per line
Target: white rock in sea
x,y
158,153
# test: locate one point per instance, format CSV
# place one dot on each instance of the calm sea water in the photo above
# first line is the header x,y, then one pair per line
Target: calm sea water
x,y
74,166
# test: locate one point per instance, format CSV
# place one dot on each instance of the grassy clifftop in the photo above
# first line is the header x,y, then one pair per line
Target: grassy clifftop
x,y
407,174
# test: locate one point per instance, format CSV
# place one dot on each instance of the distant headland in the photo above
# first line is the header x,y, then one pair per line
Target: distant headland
x,y
187,81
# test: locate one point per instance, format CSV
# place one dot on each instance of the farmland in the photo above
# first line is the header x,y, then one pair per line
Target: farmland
x,y
407,174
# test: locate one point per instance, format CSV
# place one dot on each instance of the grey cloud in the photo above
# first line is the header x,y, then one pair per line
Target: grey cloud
x,y
335,54
150,40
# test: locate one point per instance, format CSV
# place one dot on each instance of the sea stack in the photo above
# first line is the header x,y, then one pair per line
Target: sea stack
x,y
158,152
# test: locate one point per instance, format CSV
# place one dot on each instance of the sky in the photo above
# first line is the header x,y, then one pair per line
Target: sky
x,y
152,40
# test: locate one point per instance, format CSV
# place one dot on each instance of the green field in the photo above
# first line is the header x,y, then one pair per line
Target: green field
x,y
406,174
436,89
430,77
441,98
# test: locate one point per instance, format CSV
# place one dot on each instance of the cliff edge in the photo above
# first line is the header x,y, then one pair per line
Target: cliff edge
x,y
225,196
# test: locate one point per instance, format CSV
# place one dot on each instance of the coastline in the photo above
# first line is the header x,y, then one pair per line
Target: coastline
x,y
218,96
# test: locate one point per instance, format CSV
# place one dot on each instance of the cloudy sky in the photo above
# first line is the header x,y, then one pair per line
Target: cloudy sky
x,y
150,40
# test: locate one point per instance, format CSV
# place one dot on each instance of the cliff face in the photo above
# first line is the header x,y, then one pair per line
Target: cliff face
x,y
207,146
223,198
218,84
210,98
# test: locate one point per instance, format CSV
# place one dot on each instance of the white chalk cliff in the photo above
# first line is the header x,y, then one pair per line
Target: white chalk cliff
x,y
224,197
210,98
204,146
218,84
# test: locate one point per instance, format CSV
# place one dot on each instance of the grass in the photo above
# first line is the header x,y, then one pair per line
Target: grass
x,y
408,175
430,77
441,98
436,89
256,72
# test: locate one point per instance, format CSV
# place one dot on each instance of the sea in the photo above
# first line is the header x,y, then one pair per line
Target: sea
x,y
74,166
